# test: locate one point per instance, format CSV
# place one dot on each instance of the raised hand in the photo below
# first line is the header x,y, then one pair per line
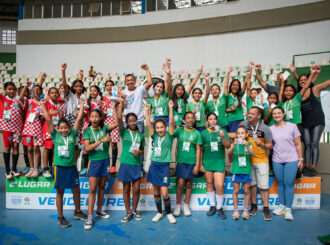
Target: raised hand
x,y
230,69
147,107
144,67
168,62
170,104
257,67
28,83
201,70
166,68
318,68
63,66
235,141
44,75
206,77
292,67
43,101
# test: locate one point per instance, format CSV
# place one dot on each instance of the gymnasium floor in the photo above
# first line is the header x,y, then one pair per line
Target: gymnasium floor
x,y
40,227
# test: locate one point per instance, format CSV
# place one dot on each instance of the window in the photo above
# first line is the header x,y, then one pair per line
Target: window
x,y
9,37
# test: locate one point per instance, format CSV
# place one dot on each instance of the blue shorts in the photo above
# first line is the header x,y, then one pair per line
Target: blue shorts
x,y
129,173
232,126
65,177
242,178
225,127
184,170
98,168
159,173
200,129
164,118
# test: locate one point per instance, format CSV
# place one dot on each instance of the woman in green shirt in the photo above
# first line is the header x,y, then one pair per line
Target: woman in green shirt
x,y
96,143
130,170
65,170
214,142
198,107
159,171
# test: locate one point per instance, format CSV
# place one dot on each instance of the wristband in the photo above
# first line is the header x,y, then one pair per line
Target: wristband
x,y
301,159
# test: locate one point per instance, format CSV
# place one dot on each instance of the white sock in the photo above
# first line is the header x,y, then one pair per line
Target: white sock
x,y
219,201
178,205
211,197
186,205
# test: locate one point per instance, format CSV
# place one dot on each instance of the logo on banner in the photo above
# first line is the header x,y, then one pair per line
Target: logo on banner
x,y
16,200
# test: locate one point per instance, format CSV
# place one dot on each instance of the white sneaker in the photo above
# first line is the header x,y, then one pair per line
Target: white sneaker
x,y
171,218
186,210
157,217
288,214
279,210
9,176
46,174
15,174
28,174
177,210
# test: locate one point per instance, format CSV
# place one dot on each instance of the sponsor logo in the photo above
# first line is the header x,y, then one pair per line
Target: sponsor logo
x,y
16,200
305,186
309,201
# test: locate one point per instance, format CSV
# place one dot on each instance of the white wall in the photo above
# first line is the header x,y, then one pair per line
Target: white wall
x,y
267,46
5,25
194,13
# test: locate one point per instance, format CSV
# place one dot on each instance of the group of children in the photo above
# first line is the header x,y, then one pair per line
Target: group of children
x,y
205,130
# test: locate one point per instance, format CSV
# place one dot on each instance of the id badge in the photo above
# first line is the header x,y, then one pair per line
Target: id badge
x,y
158,151
198,116
99,147
176,118
109,112
31,117
63,151
134,147
242,162
289,115
186,146
55,120
159,111
214,146
179,109
255,137
7,114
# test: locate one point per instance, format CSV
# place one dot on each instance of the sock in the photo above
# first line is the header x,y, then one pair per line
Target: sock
x,y
246,208
235,208
219,201
6,158
254,205
167,203
158,202
114,157
186,205
90,216
265,207
99,209
50,157
178,206
211,197
26,159
45,168
85,160
15,160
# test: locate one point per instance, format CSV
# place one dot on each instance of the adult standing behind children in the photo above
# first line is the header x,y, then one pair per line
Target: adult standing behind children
x,y
261,138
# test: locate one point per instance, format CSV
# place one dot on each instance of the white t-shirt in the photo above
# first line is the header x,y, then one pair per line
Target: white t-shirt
x,y
134,102
71,103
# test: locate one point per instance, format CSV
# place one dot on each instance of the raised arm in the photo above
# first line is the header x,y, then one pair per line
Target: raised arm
x,y
226,84
193,83
168,80
21,96
120,115
65,85
294,72
280,95
148,122
262,83
42,79
47,117
171,125
80,115
149,77
309,80
81,74
248,82
207,80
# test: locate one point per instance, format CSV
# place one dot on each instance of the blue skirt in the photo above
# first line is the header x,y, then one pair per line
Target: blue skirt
x,y
98,168
129,173
242,178
184,170
232,126
65,177
159,174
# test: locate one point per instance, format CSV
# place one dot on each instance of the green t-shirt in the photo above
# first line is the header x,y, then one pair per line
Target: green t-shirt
x,y
128,137
177,115
218,105
241,151
249,104
102,151
159,105
198,107
237,114
271,119
292,109
213,155
187,141
165,148
68,158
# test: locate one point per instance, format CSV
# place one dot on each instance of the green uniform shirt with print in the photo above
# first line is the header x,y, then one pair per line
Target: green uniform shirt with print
x,y
292,109
218,105
213,157
59,141
198,107
187,137
241,150
159,105
165,145
99,133
127,137
237,114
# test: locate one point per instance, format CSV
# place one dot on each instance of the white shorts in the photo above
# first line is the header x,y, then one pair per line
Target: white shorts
x,y
260,175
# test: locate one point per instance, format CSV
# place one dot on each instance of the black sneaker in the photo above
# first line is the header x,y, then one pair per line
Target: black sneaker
x,y
305,170
80,215
266,213
311,173
102,214
211,211
136,216
253,210
299,174
221,214
127,217
63,222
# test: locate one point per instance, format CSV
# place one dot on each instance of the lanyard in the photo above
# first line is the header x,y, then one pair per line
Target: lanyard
x,y
287,105
157,104
216,104
179,102
160,141
197,105
98,134
184,135
254,130
210,133
133,139
234,98
66,141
